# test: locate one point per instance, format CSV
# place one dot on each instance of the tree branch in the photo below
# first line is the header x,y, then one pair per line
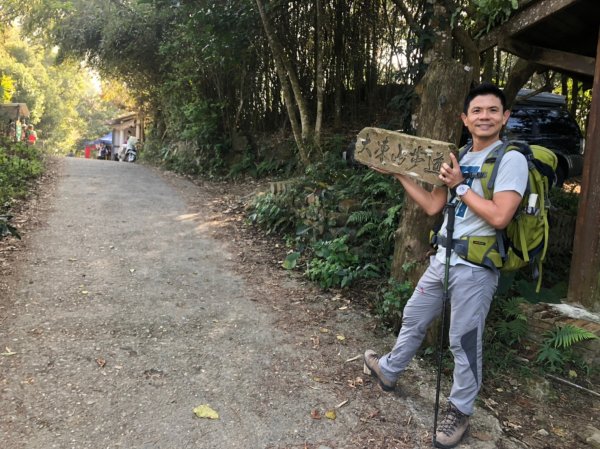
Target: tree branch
x,y
471,51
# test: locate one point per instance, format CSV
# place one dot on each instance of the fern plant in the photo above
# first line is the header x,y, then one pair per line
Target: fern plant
x,y
506,328
335,265
556,351
273,212
513,327
394,298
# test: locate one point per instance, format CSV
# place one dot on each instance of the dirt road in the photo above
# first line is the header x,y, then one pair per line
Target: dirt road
x,y
131,309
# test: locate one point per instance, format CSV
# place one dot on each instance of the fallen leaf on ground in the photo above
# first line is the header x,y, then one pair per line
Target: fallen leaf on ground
x,y
101,362
324,330
330,414
204,411
314,414
340,337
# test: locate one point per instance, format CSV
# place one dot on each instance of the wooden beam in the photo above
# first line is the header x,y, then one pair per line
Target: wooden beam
x,y
584,278
522,20
555,59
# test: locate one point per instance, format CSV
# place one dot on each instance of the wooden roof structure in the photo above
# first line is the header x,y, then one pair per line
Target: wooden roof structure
x,y
13,111
564,35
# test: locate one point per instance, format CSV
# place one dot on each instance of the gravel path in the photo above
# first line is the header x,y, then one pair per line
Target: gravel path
x,y
129,313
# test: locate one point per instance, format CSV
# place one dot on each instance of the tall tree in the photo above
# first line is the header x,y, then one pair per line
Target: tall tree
x,y
295,101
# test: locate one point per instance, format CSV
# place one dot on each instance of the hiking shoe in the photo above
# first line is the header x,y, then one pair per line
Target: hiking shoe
x,y
372,367
452,428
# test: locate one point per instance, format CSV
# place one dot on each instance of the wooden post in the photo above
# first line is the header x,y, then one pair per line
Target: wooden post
x,y
584,279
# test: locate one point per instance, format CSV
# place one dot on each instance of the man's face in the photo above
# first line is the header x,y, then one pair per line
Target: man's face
x,y
485,117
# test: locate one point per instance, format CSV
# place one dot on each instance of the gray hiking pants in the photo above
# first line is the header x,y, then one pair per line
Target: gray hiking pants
x,y
471,290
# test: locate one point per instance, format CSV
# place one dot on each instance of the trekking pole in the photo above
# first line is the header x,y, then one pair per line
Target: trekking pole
x,y
449,209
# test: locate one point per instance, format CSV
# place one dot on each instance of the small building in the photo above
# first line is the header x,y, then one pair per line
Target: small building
x,y
131,121
10,114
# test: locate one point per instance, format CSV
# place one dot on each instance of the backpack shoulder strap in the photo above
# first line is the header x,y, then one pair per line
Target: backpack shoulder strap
x,y
464,150
494,159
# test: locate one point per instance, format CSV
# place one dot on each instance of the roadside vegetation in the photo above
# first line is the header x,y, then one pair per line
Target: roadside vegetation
x,y
20,164
338,223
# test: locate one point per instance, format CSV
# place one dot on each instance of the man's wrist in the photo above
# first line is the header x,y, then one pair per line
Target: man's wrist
x,y
453,188
462,189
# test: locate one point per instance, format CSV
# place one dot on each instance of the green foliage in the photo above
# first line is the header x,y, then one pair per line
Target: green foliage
x,y
566,336
495,11
19,164
291,260
60,96
394,299
335,265
7,88
248,166
273,212
512,325
506,327
360,205
556,351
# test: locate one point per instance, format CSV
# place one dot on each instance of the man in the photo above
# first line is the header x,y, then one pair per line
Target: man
x,y
131,141
471,287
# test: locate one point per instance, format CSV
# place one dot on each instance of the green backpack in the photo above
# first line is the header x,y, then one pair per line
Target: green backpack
x,y
524,242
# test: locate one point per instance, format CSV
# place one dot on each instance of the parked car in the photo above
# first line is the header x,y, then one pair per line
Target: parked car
x,y
543,119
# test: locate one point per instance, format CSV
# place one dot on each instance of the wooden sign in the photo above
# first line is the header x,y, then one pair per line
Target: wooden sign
x,y
418,157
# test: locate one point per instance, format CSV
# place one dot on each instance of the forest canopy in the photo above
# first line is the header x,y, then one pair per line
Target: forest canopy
x,y
214,77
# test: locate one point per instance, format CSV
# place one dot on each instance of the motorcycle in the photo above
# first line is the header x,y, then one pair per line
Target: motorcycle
x,y
128,154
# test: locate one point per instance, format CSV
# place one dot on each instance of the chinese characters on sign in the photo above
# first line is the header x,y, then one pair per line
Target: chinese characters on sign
x,y
419,157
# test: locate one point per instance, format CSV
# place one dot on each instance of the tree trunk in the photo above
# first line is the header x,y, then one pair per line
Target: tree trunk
x,y
488,66
320,53
441,92
338,55
574,97
519,75
289,83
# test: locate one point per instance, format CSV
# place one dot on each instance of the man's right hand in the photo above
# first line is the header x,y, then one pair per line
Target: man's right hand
x,y
381,170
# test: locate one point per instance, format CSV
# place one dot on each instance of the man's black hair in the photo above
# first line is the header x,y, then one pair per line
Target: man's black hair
x,y
484,89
